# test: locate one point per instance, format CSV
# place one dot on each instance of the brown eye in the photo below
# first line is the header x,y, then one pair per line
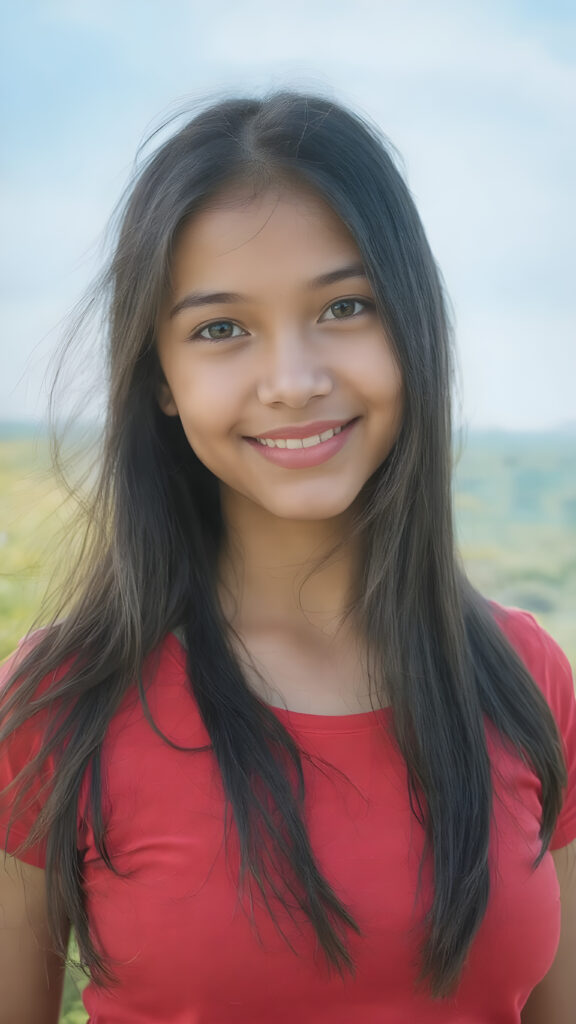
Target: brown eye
x,y
218,330
344,308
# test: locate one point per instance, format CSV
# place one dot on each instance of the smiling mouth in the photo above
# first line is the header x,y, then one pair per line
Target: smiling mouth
x,y
297,442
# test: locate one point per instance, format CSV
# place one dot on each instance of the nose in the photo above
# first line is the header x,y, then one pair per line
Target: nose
x,y
292,373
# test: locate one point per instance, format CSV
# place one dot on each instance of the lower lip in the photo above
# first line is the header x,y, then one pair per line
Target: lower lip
x,y
302,458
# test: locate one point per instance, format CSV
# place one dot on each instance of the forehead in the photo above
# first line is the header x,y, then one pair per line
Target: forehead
x,y
286,229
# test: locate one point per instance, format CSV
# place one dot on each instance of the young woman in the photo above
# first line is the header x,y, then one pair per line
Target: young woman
x,y
276,759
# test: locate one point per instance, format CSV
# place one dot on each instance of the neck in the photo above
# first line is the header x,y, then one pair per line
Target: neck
x,y
269,572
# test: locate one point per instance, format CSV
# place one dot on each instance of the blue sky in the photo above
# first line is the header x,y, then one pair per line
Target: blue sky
x,y
479,99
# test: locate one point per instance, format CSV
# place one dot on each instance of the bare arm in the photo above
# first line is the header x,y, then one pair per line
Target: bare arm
x,y
553,1001
31,977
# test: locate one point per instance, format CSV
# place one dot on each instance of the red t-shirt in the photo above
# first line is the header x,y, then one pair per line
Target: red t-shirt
x,y
182,942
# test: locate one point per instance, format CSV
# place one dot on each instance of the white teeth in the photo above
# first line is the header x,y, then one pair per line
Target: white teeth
x,y
296,442
330,433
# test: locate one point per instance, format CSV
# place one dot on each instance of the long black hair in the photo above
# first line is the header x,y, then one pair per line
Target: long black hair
x,y
147,564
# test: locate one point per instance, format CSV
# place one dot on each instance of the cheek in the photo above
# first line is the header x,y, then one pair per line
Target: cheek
x,y
207,401
383,385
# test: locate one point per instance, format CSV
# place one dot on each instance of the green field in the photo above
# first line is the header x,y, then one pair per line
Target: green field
x,y
515,500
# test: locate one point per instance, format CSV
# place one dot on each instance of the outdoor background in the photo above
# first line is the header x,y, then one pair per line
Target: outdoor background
x,y
479,100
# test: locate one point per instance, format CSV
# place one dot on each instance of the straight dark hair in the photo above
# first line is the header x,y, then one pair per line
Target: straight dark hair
x,y
148,561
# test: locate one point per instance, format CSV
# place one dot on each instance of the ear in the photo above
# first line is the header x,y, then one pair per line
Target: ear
x,y
166,401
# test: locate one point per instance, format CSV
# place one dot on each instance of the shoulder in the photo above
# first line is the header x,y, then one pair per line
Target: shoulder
x,y
166,662
551,671
522,628
26,693
542,655
20,656
13,676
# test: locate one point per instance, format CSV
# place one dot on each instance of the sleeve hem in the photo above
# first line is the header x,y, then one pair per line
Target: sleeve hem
x,y
10,842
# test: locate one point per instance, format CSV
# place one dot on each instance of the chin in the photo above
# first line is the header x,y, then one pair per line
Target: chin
x,y
310,512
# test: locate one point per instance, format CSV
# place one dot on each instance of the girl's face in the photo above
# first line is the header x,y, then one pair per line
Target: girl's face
x,y
252,341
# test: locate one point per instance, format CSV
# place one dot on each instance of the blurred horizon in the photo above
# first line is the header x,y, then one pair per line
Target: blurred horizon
x,y
29,427
514,503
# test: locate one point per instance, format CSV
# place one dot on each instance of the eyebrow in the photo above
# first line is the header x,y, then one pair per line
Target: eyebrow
x,y
194,299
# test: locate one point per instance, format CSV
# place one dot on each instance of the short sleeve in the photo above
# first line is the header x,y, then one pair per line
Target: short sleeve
x,y
15,753
551,670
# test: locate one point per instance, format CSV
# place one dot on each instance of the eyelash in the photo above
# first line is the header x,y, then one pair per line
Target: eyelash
x,y
197,335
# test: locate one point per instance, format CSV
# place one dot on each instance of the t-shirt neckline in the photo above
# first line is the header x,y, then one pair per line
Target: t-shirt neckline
x,y
301,721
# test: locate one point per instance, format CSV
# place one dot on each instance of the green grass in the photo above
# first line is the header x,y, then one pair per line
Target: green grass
x,y
515,500
32,514
73,1011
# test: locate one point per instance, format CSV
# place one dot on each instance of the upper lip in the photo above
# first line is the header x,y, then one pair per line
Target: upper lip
x,y
303,429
